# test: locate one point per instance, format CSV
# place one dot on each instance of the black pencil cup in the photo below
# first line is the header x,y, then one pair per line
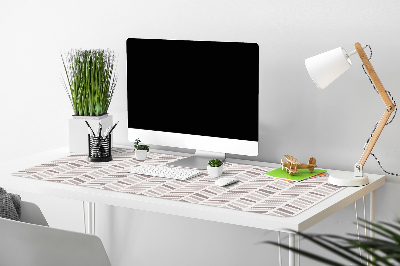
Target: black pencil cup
x,y
99,149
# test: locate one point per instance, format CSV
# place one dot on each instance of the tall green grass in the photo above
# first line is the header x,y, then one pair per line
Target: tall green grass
x,y
91,80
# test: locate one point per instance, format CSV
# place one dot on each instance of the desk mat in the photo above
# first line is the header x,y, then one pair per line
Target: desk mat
x,y
255,192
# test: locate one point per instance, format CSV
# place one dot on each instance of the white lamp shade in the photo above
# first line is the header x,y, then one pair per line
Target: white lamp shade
x,y
326,67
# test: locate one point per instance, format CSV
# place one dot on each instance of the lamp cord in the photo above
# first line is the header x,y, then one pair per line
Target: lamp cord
x,y
387,123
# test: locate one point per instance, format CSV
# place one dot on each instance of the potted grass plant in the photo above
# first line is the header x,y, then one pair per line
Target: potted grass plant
x,y
215,168
90,83
140,150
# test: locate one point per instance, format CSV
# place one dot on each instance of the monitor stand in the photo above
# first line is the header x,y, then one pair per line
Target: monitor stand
x,y
199,160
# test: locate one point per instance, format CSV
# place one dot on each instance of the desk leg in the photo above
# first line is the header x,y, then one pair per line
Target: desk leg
x,y
292,238
372,210
88,215
298,247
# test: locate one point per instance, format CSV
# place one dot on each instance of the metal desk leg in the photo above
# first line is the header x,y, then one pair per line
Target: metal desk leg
x,y
372,209
88,215
372,213
292,238
279,249
298,247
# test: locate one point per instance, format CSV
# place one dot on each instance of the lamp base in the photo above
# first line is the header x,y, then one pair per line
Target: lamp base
x,y
347,179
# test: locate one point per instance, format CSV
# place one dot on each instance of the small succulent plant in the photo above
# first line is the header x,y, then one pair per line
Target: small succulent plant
x,y
215,163
140,147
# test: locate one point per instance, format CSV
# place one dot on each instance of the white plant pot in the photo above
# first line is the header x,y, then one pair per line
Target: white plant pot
x,y
78,131
214,171
141,155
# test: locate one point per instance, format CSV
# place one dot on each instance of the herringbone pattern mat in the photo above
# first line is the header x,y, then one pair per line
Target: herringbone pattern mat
x,y
254,193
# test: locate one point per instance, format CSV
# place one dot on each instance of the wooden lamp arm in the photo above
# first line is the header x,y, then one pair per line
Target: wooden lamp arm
x,y
389,109
371,71
374,138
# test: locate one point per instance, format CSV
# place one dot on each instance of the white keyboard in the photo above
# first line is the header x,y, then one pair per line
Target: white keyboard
x,y
166,172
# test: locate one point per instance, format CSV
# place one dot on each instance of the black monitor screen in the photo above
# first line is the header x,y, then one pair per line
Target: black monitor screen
x,y
193,87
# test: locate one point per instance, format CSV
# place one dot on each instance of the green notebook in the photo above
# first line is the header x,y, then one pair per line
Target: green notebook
x,y
304,174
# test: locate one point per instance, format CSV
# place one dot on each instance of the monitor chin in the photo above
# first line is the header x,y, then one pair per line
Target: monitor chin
x,y
199,160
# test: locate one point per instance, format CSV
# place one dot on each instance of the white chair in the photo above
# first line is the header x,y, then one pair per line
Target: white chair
x,y
32,243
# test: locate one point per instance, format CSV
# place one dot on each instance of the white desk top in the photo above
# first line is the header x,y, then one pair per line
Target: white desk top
x,y
299,222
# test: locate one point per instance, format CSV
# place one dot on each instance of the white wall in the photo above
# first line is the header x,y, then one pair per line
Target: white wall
x,y
295,117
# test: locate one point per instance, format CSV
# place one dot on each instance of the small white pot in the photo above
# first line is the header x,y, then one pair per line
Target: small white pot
x,y
141,155
214,171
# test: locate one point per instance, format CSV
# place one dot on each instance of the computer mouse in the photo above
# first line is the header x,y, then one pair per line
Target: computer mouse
x,y
226,181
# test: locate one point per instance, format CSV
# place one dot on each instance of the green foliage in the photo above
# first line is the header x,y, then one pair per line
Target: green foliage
x,y
91,80
384,250
140,147
215,163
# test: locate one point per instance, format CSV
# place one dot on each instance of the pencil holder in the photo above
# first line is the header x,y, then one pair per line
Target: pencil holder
x,y
99,149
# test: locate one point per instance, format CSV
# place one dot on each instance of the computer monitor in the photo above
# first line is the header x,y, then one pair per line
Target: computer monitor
x,y
199,95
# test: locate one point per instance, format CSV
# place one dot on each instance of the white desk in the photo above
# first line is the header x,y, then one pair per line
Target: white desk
x,y
298,223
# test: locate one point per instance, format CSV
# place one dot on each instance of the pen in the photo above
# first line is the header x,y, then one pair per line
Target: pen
x,y
89,127
100,129
97,131
90,132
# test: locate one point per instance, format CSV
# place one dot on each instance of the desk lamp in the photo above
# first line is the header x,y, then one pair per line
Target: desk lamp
x,y
323,70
